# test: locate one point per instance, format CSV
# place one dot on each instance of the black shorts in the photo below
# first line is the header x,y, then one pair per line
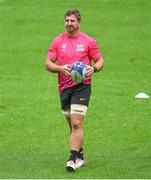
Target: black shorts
x,y
79,94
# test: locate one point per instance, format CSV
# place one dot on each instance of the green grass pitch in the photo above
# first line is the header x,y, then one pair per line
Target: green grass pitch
x,y
34,137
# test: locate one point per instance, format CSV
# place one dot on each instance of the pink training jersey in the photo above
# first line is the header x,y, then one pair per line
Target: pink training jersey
x,y
67,50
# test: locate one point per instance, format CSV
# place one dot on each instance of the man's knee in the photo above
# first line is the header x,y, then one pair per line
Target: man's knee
x,y
76,125
76,121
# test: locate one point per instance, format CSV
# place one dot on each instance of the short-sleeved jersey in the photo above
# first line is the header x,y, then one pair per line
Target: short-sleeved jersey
x,y
67,50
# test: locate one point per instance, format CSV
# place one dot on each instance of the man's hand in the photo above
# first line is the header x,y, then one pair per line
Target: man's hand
x,y
54,68
96,68
89,70
65,69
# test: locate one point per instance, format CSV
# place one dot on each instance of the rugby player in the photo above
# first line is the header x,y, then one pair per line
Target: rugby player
x,y
65,49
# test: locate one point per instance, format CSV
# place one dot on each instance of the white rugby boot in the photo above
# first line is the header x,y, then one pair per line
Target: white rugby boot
x,y
79,163
70,166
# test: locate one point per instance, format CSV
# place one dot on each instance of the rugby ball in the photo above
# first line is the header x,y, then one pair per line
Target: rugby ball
x,y
78,71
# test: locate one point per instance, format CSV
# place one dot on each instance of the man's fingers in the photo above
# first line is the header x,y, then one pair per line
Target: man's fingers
x,y
66,70
89,71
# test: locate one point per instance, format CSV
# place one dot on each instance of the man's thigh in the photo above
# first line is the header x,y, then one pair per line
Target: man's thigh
x,y
81,95
65,99
75,100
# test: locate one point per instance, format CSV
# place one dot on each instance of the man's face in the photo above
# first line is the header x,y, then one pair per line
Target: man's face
x,y
71,23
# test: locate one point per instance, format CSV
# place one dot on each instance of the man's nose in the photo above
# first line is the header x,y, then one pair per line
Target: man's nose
x,y
69,23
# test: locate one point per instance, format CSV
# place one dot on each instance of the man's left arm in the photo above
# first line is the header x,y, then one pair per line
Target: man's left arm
x,y
96,55
98,66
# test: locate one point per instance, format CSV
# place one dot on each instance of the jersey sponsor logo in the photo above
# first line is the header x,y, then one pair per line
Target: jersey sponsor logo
x,y
80,47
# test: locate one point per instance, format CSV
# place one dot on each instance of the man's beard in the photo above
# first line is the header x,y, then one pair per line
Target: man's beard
x,y
71,28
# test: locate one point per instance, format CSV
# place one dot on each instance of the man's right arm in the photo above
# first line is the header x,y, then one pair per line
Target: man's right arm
x,y
54,68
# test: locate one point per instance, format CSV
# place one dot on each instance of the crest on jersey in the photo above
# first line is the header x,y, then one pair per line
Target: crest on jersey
x,y
80,47
64,46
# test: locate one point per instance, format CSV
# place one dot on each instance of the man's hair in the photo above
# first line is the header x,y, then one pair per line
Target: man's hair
x,y
74,12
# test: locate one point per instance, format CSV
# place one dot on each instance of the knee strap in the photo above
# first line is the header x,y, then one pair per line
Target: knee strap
x,y
78,109
66,113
